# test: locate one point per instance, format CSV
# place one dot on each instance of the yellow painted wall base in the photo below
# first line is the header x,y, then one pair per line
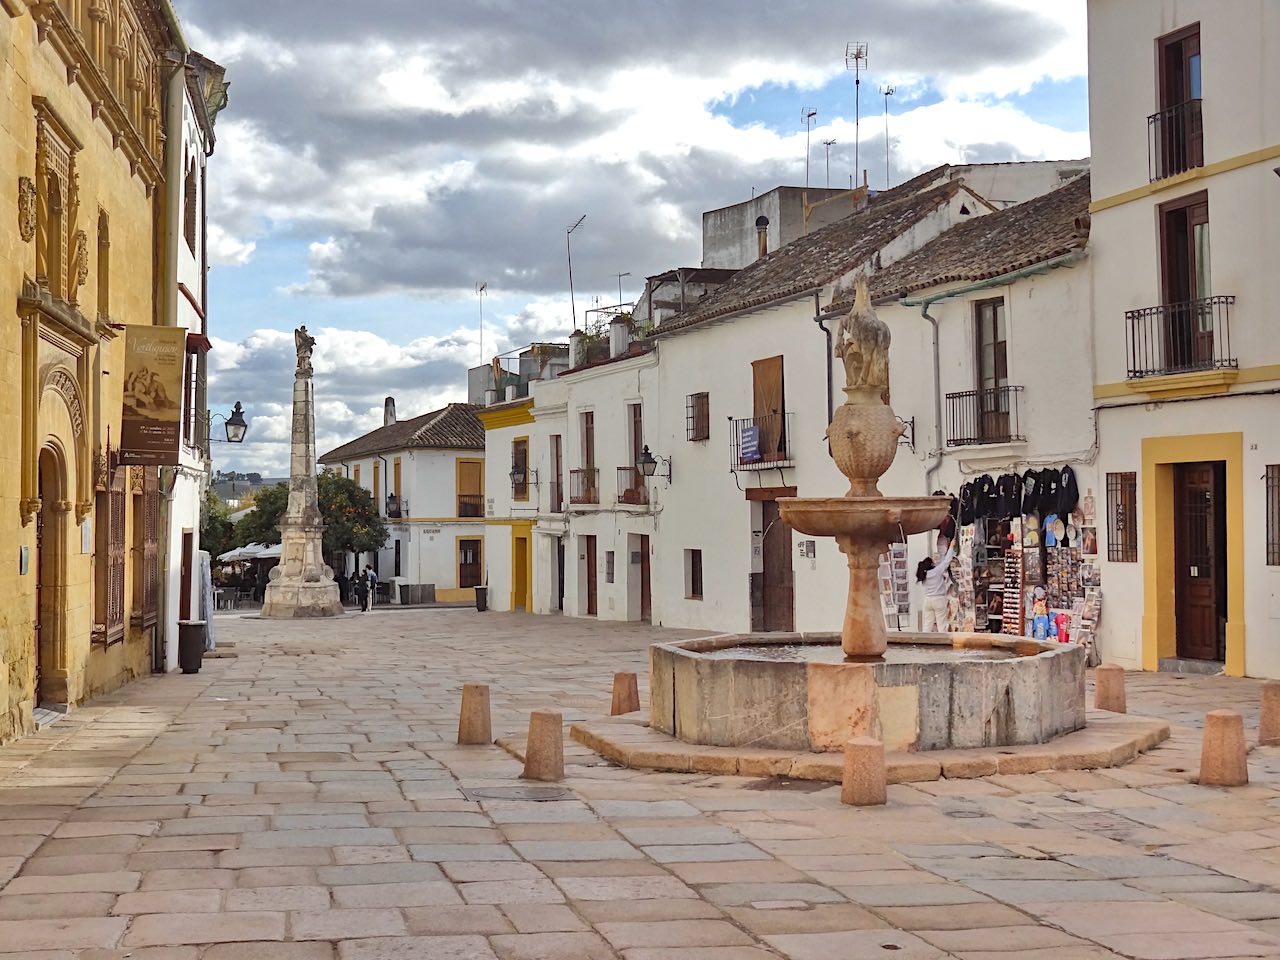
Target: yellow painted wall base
x,y
455,595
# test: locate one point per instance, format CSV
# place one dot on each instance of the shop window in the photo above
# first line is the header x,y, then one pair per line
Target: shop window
x,y
693,574
1122,517
1273,515
697,416
469,563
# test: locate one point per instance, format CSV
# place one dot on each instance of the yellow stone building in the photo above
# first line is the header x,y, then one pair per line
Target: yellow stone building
x,y
82,193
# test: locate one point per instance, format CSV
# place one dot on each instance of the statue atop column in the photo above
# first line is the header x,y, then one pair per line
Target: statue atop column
x,y
302,585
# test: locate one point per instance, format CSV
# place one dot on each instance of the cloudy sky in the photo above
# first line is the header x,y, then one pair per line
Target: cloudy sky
x,y
377,160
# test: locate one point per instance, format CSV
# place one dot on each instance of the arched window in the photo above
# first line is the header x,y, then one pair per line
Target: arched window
x,y
191,210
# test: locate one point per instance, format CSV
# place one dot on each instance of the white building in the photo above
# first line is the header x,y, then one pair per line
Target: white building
x,y
426,477
196,94
700,545
1188,362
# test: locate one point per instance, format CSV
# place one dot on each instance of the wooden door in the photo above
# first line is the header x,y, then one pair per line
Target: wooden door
x,y
1199,556
519,573
589,545
1184,241
779,580
646,587
769,407
184,589
560,573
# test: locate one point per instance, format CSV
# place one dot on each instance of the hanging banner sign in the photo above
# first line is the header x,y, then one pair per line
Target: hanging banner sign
x,y
151,421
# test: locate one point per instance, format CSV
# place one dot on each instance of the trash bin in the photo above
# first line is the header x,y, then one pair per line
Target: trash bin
x,y
482,599
191,640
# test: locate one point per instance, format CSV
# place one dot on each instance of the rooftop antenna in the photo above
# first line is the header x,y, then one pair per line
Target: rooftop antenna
x,y
569,255
806,117
481,289
855,59
888,92
828,144
620,276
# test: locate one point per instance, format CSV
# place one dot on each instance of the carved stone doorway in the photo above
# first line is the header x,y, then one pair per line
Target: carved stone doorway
x,y
49,684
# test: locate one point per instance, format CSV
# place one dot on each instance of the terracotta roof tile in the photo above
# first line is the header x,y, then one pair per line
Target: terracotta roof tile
x,y
823,255
989,246
455,427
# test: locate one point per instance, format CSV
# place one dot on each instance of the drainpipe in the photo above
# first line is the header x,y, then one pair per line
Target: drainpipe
x,y
821,322
935,456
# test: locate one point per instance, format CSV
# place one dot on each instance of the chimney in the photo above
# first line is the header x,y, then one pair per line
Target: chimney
x,y
389,411
762,236
575,349
619,336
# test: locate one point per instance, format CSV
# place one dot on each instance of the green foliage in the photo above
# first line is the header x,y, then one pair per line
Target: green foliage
x,y
216,528
352,523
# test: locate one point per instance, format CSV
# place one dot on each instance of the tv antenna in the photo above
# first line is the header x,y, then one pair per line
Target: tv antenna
x,y
806,117
620,276
481,289
855,59
888,92
569,255
828,145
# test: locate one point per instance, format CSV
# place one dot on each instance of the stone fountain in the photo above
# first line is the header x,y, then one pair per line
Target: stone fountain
x,y
923,691
864,436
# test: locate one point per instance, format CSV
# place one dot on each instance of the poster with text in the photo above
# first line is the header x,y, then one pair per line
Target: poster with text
x,y
151,422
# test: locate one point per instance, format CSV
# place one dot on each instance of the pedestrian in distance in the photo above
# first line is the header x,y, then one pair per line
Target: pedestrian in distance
x,y
372,577
362,592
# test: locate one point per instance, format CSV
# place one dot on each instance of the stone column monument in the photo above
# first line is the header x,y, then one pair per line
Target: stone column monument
x,y
302,586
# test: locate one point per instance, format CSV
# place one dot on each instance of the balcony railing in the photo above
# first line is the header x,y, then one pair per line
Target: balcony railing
x,y
555,491
761,443
1180,338
631,487
470,505
1175,140
983,416
584,485
397,507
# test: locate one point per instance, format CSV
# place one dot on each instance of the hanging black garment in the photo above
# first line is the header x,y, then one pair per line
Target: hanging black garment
x,y
1030,492
1068,493
1008,497
984,496
948,525
1050,483
966,504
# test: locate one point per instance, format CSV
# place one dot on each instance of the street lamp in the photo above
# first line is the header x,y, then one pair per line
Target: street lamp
x,y
648,464
236,425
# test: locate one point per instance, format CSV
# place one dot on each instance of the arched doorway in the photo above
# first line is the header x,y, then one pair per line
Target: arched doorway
x,y
50,572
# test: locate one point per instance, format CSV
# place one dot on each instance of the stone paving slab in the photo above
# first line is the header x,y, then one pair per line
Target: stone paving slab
x,y
303,801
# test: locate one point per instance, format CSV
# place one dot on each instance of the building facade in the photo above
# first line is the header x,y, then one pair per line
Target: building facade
x,y
1186,144
426,477
81,125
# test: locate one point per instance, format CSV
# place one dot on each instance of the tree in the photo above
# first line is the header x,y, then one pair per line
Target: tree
x,y
216,528
352,523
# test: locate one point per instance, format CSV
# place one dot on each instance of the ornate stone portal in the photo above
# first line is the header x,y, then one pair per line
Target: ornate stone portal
x,y
864,440
302,585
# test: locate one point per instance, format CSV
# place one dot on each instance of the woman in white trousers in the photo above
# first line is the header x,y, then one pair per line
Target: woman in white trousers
x,y
934,577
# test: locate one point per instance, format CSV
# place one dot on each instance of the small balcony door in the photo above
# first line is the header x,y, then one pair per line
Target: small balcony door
x,y
769,408
1180,92
1184,246
991,342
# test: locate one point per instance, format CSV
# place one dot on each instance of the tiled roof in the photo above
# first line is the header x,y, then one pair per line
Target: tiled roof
x,y
989,246
455,427
821,256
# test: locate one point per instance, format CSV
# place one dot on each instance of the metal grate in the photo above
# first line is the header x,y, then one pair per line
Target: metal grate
x,y
1122,517
761,443
697,416
1180,337
631,486
983,416
584,485
1175,140
1273,515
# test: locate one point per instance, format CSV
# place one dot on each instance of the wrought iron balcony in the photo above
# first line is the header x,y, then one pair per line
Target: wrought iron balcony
x,y
470,505
1180,338
983,416
761,443
397,507
584,485
1175,140
631,487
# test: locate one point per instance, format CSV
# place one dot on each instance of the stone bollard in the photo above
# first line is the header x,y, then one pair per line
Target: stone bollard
x,y
1108,688
544,750
864,774
1269,721
1223,756
474,726
626,694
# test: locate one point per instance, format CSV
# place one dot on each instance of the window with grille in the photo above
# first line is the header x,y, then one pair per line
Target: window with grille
x,y
1273,515
1122,517
469,563
146,549
109,559
697,416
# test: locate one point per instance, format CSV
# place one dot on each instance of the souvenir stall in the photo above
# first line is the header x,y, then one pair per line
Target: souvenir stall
x,y
1026,561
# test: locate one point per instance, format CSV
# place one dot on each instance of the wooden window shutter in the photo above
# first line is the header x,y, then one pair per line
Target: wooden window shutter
x,y
470,478
768,405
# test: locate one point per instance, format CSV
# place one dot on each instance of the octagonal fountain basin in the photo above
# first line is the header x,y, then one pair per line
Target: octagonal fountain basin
x,y
930,692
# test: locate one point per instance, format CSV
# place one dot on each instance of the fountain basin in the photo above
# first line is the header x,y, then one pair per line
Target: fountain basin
x,y
873,519
932,691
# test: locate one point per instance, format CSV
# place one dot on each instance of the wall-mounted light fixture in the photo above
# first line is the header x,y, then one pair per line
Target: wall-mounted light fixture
x,y
236,425
648,464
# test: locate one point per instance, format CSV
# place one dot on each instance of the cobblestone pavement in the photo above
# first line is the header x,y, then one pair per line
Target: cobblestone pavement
x,y
302,801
